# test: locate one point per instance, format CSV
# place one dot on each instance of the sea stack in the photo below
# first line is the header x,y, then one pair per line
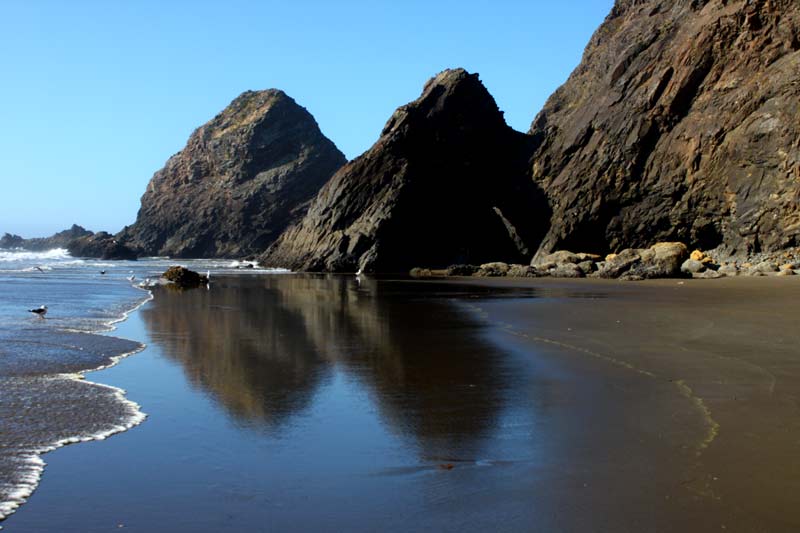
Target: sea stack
x,y
447,182
681,124
241,179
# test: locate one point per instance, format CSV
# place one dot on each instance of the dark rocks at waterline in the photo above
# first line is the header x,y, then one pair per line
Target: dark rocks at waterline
x,y
62,239
101,245
681,123
242,178
183,278
446,183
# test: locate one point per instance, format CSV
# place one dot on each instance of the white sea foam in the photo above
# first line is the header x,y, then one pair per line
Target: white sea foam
x,y
28,482
55,254
36,268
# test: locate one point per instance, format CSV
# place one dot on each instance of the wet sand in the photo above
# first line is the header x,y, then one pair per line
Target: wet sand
x,y
315,403
731,347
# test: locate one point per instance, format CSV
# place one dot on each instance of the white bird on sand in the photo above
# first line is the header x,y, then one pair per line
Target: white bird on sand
x,y
40,311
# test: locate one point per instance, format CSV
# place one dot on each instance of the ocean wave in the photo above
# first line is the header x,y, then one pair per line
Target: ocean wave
x,y
28,459
18,255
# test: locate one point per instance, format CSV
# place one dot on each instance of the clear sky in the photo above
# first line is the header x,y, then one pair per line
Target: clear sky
x,y
96,95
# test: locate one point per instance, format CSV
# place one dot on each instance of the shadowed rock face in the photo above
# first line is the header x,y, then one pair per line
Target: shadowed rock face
x,y
241,179
101,245
681,123
445,183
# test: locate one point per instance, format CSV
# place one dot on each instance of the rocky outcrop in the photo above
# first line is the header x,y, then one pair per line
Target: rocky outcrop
x,y
241,179
9,240
183,278
101,245
445,183
681,123
57,240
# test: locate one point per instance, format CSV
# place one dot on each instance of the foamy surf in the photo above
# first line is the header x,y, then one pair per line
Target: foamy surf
x,y
55,254
12,496
45,401
108,411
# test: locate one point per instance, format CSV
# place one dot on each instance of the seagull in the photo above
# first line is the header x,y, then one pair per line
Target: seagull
x,y
39,269
131,278
102,272
40,311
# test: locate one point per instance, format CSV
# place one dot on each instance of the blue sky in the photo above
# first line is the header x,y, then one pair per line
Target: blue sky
x,y
96,95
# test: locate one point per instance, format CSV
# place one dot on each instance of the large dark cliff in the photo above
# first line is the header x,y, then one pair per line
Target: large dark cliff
x,y
241,179
446,182
681,123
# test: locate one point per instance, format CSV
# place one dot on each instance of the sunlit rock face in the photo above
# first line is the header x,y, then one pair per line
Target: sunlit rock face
x,y
681,123
241,179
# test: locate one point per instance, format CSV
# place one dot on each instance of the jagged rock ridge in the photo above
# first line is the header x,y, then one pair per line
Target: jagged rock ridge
x,y
241,179
681,123
37,244
445,183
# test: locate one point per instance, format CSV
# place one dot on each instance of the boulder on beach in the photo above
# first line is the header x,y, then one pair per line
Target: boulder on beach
x,y
184,278
462,270
662,260
692,266
558,258
521,271
493,270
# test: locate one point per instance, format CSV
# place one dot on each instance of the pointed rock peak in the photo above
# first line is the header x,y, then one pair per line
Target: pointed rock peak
x,y
241,179
450,97
265,99
252,107
446,183
449,78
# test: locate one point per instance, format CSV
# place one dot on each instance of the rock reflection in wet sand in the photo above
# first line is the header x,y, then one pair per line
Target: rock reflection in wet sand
x,y
263,346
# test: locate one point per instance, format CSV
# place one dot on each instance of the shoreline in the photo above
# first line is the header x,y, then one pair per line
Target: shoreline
x,y
639,397
728,346
22,492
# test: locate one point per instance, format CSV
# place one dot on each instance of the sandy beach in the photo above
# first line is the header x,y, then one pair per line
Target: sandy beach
x,y
455,405
729,349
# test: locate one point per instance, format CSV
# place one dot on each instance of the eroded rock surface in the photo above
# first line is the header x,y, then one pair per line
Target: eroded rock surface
x,y
446,183
241,179
681,123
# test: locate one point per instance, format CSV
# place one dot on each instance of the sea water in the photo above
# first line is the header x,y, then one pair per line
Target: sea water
x,y
45,402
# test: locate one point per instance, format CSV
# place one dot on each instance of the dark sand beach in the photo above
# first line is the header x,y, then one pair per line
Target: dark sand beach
x,y
309,403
